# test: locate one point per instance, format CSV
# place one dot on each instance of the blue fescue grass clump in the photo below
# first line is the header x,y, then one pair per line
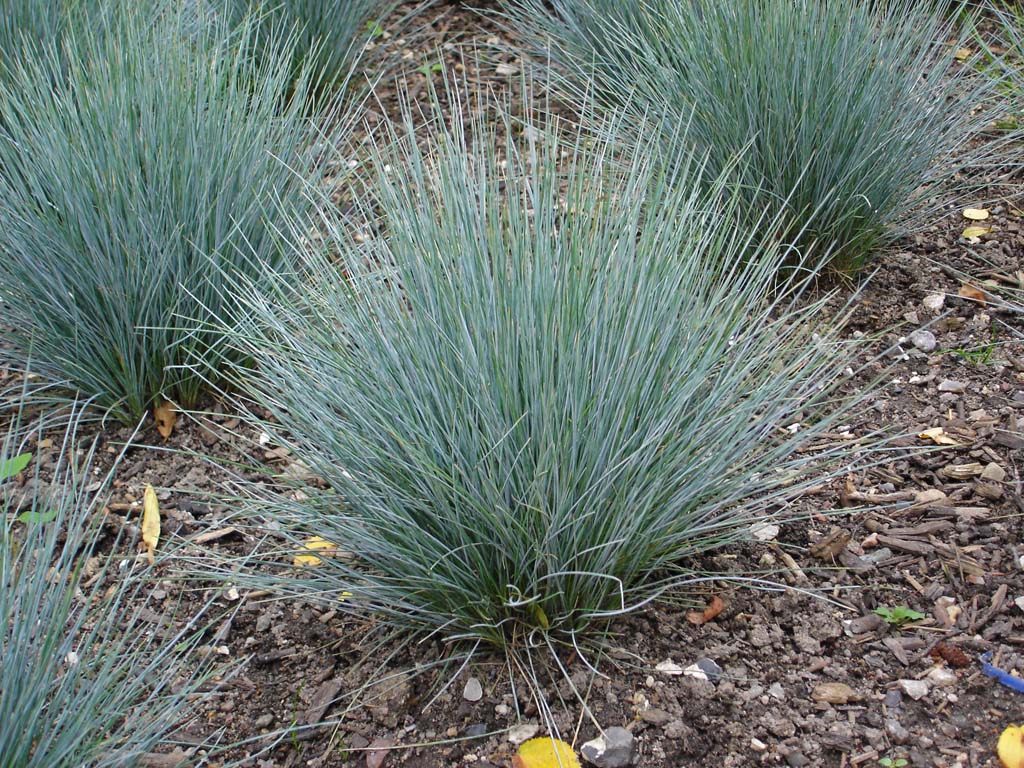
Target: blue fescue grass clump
x,y
328,35
546,387
128,184
1008,69
84,680
849,113
28,25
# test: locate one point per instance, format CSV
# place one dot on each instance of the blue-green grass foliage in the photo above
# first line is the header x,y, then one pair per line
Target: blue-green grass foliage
x,y
329,34
849,114
547,385
127,185
85,680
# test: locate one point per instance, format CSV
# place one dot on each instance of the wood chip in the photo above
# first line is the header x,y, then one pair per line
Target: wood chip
x,y
323,697
213,535
828,547
906,545
169,760
897,650
961,471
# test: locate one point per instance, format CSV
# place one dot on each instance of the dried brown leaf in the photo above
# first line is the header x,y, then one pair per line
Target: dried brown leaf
x,y
165,415
715,607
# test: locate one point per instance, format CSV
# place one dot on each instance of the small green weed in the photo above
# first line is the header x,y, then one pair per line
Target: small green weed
x,y
899,615
11,467
980,355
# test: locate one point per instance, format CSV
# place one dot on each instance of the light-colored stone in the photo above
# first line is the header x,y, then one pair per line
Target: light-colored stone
x,y
943,677
669,667
473,691
923,340
517,734
696,672
955,387
933,301
764,531
612,749
915,689
834,693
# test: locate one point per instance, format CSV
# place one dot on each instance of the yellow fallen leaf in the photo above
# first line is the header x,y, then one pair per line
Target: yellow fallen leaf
x,y
315,543
545,753
165,415
1011,747
976,214
150,521
975,231
937,435
962,54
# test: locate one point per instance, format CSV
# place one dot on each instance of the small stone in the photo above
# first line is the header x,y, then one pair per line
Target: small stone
x,y
710,668
833,693
874,558
893,699
1019,602
655,716
757,745
264,721
993,473
923,340
696,672
679,730
864,624
782,727
517,734
896,732
764,531
933,301
915,689
943,677
473,691
669,667
377,752
796,760
612,749
956,387
759,636
476,730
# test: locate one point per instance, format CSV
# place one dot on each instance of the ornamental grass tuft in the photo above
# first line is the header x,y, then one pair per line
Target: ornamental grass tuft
x,y
127,187
850,114
545,387
85,680
329,35
27,25
1007,67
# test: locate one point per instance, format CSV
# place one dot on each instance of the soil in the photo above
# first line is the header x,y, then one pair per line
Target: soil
x,y
785,678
